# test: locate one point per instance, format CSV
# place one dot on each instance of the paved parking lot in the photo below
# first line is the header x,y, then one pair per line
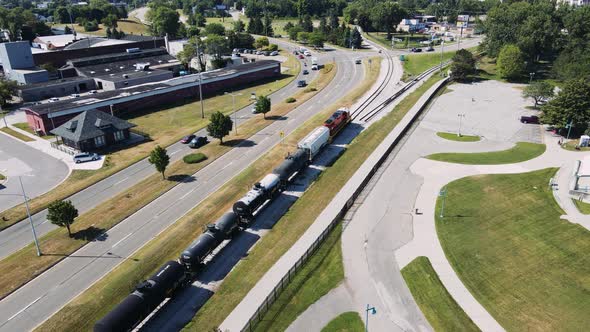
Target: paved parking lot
x,y
40,172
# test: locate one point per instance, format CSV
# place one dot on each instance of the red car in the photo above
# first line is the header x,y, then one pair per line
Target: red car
x,y
301,56
187,139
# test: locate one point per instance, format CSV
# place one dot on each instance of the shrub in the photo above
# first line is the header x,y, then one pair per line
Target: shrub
x,y
273,47
310,89
291,100
194,158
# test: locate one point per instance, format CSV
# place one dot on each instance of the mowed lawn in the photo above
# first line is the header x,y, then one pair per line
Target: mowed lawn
x,y
455,137
435,302
129,26
527,267
416,64
347,322
522,151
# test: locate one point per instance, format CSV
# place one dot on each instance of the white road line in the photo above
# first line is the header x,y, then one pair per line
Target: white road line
x,y
123,239
175,152
116,183
23,309
188,193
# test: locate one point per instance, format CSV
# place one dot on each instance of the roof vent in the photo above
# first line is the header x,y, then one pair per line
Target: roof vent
x,y
107,69
71,126
122,67
100,123
92,72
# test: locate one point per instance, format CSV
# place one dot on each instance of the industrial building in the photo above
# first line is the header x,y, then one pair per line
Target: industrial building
x,y
45,117
18,64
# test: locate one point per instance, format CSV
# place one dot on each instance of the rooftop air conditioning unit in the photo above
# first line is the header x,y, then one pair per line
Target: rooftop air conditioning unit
x,y
133,50
142,66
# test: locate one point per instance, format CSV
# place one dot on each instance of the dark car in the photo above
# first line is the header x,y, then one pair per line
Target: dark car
x,y
301,83
416,50
187,139
529,119
198,141
305,72
430,49
266,53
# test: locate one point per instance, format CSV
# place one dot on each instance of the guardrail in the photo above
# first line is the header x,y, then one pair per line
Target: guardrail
x,y
229,325
64,148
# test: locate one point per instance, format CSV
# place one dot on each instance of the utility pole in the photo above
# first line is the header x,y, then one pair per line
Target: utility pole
x,y
443,195
200,82
442,48
373,311
3,117
569,128
461,116
29,215
233,98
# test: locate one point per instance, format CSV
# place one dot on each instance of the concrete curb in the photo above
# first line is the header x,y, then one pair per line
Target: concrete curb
x,y
261,295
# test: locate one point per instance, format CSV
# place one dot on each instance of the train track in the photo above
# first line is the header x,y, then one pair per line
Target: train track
x,y
371,114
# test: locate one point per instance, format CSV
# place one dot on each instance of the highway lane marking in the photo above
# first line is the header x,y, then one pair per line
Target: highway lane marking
x,y
123,239
175,152
188,193
116,183
23,309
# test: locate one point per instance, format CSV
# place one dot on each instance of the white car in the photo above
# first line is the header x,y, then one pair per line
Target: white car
x,y
274,53
51,100
307,53
85,156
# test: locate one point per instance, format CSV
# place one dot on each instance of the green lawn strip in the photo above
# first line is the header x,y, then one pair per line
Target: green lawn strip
x,y
321,273
571,146
455,137
129,26
505,240
347,322
16,134
83,311
435,302
416,64
302,214
583,207
165,127
521,152
24,265
25,126
2,177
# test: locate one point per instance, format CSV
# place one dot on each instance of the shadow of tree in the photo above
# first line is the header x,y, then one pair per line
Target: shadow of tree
x,y
181,178
239,143
91,233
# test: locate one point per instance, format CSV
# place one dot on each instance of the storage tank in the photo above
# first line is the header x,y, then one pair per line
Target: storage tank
x,y
315,141
226,225
194,255
291,165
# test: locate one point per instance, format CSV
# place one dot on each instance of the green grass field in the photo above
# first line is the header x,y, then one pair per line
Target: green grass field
x,y
16,134
416,64
435,302
2,177
455,137
504,238
521,152
129,26
322,272
347,322
25,126
571,146
583,207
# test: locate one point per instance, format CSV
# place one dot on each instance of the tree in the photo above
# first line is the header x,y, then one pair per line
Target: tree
x,y
216,46
294,31
510,62
215,29
7,90
160,159
303,37
261,42
463,65
239,26
571,105
539,91
355,38
268,30
110,21
219,126
306,24
62,214
316,39
263,105
164,21
385,16
255,26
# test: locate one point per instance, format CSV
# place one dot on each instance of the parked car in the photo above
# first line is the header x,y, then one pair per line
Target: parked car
x,y
529,119
266,53
75,95
301,83
305,72
85,156
258,52
187,139
54,99
274,53
296,52
198,141
93,91
430,49
307,53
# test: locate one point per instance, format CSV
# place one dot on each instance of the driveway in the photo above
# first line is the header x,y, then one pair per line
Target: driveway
x,y
40,172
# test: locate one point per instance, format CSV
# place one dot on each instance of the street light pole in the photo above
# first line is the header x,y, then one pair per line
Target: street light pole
x,y
442,48
461,116
200,83
443,194
29,215
531,75
3,117
373,311
233,99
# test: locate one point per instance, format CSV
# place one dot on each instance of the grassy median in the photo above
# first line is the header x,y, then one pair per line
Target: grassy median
x,y
435,302
457,138
583,207
504,238
347,322
322,272
16,134
91,305
522,151
24,265
165,126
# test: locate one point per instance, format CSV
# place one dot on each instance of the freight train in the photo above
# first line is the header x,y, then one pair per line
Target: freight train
x,y
175,275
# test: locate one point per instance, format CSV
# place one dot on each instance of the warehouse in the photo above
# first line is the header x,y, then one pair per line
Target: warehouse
x,y
43,118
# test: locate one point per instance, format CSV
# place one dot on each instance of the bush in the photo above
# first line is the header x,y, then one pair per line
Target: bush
x,y
310,89
510,62
291,100
90,26
194,158
273,47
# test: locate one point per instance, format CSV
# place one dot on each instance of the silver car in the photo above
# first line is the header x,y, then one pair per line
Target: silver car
x,y
85,156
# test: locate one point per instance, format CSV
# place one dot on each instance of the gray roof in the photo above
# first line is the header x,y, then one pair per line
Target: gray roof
x,y
90,124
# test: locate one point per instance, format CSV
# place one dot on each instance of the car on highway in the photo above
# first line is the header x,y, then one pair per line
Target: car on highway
x,y
84,157
358,61
53,99
301,83
430,49
305,72
301,56
197,142
274,53
186,139
93,91
307,53
529,119
416,50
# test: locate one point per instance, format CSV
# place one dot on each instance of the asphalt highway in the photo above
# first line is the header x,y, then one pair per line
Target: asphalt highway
x,y
43,296
19,235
